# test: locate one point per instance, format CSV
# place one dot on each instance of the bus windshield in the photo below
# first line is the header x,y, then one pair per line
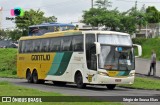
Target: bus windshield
x,y
115,40
110,59
116,52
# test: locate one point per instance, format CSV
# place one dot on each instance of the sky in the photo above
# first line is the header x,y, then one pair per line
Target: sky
x,y
66,11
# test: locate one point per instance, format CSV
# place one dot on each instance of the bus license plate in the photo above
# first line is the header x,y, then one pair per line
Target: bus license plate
x,y
117,80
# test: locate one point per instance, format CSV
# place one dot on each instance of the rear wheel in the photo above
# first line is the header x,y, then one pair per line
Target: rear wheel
x,y
111,86
35,77
29,77
79,80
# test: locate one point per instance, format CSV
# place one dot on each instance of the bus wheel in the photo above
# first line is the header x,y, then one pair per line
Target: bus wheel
x,y
35,76
29,76
79,80
58,83
111,86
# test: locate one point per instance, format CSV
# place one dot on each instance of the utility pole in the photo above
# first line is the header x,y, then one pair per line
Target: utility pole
x,y
1,17
136,5
91,3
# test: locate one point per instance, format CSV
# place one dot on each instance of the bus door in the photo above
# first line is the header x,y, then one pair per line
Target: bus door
x,y
91,58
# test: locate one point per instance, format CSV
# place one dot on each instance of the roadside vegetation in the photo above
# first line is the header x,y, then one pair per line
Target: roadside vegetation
x,y
8,62
148,45
144,83
12,90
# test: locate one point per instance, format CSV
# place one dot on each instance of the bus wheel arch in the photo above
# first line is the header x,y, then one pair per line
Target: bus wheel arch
x,y
29,76
78,78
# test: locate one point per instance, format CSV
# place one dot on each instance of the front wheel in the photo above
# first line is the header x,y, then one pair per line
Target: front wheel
x,y
79,81
111,86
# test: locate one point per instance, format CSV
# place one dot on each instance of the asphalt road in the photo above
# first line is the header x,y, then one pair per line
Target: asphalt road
x,y
143,65
71,89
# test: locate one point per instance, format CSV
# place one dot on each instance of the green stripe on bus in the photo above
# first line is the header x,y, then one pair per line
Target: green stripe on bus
x,y
123,73
60,63
64,63
56,63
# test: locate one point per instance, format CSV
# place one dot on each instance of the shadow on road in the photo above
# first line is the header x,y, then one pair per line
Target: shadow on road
x,y
70,86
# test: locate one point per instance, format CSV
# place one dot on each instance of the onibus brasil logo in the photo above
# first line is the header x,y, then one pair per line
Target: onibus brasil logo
x,y
17,12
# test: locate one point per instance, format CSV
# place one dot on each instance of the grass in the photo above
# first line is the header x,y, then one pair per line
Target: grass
x,y
8,62
144,83
148,45
12,90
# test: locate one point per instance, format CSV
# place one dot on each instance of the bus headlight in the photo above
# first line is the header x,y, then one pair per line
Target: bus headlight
x,y
132,74
102,73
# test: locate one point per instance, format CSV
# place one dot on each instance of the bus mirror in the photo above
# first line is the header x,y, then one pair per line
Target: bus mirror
x,y
139,48
98,48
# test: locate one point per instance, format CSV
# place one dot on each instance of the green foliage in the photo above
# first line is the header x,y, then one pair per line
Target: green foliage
x,y
103,4
139,41
145,83
3,35
148,45
8,61
114,20
153,15
94,16
32,17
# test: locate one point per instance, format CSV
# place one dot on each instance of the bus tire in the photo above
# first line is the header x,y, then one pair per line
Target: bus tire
x,y
35,77
29,76
79,80
111,86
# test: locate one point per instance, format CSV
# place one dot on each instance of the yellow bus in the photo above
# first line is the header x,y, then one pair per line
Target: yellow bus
x,y
81,57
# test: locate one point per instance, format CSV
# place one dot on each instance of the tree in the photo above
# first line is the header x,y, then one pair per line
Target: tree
x,y
128,24
14,34
153,15
111,20
103,4
3,35
94,16
32,17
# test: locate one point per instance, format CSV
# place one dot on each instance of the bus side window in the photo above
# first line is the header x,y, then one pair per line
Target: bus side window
x,y
36,45
66,44
55,44
77,43
29,46
20,47
90,52
44,45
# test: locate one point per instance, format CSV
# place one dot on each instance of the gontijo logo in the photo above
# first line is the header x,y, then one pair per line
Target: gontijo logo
x,y
17,12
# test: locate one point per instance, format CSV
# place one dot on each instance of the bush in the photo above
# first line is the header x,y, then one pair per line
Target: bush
x,y
139,41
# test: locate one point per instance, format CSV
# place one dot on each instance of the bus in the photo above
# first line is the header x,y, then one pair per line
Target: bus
x,y
80,57
37,30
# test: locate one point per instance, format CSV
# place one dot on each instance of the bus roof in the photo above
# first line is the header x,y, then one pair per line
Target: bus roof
x,y
71,32
52,24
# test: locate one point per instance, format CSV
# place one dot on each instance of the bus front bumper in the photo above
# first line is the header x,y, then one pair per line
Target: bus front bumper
x,y
114,80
